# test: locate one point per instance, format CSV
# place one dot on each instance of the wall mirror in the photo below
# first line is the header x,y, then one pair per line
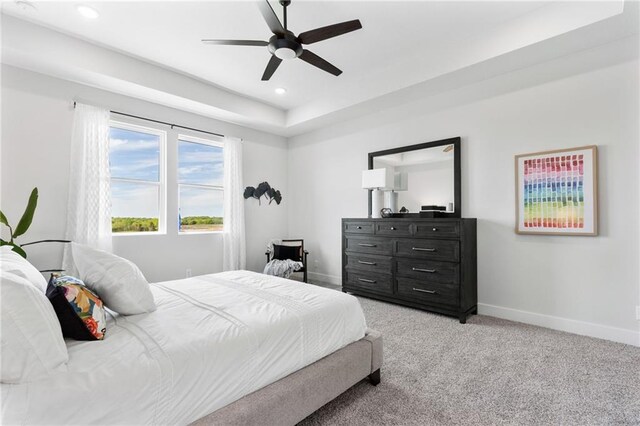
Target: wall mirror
x,y
425,179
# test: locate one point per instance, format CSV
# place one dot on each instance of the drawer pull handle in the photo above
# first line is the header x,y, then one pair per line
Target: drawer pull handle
x,y
364,280
392,228
425,291
366,245
366,263
358,227
431,271
422,249
435,229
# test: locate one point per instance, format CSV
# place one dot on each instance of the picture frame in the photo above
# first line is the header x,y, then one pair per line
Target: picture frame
x,y
557,192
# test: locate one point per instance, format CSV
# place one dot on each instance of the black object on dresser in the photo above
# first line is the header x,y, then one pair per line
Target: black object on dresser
x,y
428,264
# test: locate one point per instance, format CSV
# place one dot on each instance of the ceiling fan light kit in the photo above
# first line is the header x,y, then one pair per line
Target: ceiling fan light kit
x,y
285,45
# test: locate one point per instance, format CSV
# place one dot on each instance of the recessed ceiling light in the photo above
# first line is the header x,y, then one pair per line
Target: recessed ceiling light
x,y
87,12
281,90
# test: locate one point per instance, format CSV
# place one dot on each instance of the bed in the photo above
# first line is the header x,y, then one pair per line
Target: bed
x,y
224,348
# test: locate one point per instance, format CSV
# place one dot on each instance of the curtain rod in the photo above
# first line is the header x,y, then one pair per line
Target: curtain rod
x,y
162,122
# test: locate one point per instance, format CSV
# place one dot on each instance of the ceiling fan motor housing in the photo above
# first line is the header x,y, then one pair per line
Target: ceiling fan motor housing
x,y
285,46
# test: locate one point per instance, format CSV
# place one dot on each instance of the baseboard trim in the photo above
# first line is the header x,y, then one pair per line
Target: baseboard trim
x,y
325,278
583,328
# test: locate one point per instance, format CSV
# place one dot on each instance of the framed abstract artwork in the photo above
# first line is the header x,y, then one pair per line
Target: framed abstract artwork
x,y
557,192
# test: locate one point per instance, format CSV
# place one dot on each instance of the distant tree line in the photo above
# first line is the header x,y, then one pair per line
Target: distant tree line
x,y
201,220
150,224
134,224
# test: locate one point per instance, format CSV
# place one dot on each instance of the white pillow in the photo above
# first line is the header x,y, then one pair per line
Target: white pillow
x,y
10,261
118,282
32,342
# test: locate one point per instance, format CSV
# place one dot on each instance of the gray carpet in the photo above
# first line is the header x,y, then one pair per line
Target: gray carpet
x,y
488,372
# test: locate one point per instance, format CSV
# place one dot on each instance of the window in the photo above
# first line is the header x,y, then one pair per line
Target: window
x,y
136,158
200,188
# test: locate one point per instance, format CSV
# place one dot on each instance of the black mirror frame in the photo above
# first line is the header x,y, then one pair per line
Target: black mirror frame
x,y
457,195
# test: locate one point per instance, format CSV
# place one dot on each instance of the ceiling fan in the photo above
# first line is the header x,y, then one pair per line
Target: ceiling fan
x,y
285,45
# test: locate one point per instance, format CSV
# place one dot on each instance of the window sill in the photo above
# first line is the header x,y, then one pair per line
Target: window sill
x,y
200,232
131,234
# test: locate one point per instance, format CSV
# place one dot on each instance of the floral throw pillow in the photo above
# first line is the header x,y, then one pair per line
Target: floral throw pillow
x,y
79,310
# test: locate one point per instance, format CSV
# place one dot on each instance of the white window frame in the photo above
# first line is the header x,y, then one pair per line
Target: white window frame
x,y
162,174
209,142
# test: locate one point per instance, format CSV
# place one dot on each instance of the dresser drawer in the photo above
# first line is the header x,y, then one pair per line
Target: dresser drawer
x,y
393,229
369,263
437,229
369,245
369,281
430,292
429,270
358,227
429,249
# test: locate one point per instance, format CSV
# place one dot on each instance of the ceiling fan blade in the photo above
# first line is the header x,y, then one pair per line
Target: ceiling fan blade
x,y
236,42
317,61
272,66
330,31
270,17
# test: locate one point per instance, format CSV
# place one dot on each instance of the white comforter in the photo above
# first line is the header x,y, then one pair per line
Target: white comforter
x,y
213,339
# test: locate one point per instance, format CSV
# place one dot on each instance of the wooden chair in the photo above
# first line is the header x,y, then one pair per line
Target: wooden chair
x,y
302,255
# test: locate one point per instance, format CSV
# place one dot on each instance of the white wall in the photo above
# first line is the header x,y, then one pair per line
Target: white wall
x,y
582,284
579,284
37,117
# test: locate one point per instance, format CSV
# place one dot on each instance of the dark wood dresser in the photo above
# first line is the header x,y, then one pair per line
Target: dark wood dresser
x,y
428,264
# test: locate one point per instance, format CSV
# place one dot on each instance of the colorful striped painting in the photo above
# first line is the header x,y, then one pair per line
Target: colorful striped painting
x,y
556,192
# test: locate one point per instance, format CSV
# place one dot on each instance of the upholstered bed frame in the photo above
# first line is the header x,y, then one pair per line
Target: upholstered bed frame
x,y
292,398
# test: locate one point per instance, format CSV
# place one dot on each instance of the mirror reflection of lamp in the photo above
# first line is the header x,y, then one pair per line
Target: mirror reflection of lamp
x,y
377,180
400,183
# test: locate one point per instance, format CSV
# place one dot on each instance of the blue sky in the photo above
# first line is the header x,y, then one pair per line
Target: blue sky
x,y
136,155
200,202
200,164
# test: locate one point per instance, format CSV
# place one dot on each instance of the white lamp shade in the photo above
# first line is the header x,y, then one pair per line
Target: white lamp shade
x,y
377,178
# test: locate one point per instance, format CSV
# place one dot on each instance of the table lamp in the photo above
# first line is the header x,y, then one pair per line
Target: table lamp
x,y
377,180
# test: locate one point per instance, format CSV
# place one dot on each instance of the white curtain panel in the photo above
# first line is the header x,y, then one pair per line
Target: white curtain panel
x,y
89,204
235,250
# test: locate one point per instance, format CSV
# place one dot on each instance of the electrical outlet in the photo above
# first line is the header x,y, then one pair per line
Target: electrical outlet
x,y
188,272
638,313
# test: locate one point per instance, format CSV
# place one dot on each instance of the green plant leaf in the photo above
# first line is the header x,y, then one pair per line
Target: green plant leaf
x,y
4,243
27,216
3,219
19,250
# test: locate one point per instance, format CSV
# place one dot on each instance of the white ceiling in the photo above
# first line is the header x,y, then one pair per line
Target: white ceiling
x,y
407,50
169,33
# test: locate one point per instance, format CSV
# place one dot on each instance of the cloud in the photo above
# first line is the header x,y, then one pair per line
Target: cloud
x,y
200,202
134,200
203,167
145,169
129,145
